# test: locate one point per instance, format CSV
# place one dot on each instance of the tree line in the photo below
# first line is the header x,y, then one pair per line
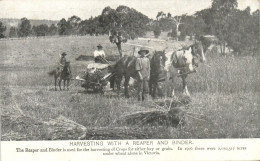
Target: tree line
x,y
234,28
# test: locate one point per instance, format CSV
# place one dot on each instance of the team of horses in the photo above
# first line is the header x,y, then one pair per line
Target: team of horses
x,y
165,67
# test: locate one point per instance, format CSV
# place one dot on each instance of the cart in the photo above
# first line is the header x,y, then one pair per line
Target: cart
x,y
96,78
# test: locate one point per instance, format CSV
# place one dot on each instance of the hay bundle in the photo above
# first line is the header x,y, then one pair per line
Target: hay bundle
x,y
12,135
174,102
20,127
110,133
162,112
152,117
63,128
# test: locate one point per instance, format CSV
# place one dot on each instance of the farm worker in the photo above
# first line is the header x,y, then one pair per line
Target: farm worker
x,y
62,62
143,69
62,59
99,55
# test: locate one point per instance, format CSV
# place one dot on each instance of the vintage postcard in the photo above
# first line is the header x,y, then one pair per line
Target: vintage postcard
x,y
129,80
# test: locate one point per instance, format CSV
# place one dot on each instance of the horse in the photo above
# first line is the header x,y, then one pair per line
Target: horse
x,y
63,74
182,62
123,67
167,66
157,71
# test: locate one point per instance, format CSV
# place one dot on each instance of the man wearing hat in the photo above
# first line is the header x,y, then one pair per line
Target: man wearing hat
x,y
143,69
62,59
99,55
62,62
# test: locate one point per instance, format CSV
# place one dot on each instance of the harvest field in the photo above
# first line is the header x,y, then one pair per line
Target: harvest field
x,y
224,94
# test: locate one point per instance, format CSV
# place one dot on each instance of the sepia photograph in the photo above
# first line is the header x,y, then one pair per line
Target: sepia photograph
x,y
124,70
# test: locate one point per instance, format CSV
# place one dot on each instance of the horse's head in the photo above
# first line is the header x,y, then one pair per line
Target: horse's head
x,y
188,58
158,60
197,52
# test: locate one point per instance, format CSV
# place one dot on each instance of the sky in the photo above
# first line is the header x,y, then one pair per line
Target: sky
x,y
58,9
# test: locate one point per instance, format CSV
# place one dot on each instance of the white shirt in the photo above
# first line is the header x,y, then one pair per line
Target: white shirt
x,y
99,53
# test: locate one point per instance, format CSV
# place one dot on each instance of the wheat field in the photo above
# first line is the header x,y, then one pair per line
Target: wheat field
x,y
224,93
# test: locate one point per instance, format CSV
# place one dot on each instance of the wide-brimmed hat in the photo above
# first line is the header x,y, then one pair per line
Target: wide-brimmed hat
x,y
100,46
64,53
145,50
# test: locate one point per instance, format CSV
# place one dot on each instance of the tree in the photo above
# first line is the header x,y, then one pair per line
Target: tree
x,y
254,34
173,32
2,30
13,32
157,31
24,28
165,24
194,26
41,30
159,14
122,24
169,15
52,30
177,22
62,27
207,16
73,25
222,11
199,27
223,7
243,31
91,26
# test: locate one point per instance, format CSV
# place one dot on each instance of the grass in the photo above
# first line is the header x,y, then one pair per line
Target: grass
x,y
224,93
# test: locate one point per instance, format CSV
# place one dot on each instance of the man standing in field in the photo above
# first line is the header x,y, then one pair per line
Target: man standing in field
x,y
99,55
143,69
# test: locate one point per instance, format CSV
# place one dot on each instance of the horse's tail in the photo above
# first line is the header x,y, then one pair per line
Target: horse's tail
x,y
51,73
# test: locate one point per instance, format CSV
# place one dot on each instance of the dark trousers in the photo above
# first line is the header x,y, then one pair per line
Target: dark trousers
x,y
99,59
143,89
